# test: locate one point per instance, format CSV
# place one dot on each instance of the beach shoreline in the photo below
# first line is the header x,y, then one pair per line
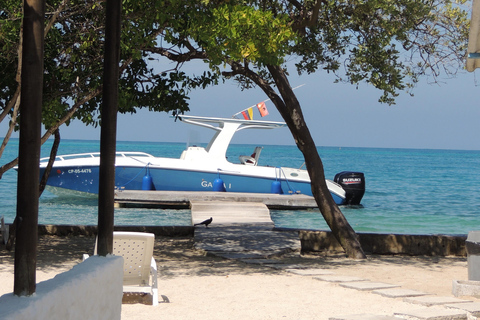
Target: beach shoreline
x,y
208,287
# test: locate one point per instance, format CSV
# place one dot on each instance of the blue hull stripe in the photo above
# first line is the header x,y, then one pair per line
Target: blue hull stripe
x,y
85,179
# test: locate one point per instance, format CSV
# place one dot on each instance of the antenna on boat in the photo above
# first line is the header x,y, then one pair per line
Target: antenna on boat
x,y
248,112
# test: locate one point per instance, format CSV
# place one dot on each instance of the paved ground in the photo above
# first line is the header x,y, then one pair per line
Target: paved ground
x,y
255,244
244,284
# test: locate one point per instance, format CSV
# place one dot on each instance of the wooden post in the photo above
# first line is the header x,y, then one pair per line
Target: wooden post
x,y
29,148
108,136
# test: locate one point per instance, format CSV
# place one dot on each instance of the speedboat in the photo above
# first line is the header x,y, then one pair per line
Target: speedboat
x,y
198,169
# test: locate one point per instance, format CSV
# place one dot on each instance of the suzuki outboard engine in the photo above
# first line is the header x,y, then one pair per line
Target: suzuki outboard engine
x,y
354,185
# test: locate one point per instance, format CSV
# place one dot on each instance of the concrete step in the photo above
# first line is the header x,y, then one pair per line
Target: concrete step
x,y
364,317
433,314
399,293
367,285
433,300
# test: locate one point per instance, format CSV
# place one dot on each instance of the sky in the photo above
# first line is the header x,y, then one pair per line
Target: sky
x,y
438,116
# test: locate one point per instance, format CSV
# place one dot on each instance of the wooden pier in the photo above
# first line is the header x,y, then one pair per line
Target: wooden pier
x,y
241,226
226,213
239,230
182,199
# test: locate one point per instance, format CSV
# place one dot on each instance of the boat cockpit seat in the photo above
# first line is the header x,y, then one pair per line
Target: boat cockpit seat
x,y
248,160
253,159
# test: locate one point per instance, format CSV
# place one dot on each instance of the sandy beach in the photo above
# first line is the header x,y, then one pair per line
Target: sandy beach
x,y
204,287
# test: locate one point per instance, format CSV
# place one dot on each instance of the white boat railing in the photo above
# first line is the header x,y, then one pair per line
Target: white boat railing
x,y
96,155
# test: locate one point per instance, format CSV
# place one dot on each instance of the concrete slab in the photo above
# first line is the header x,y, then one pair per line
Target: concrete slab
x,y
472,307
433,314
235,255
259,261
466,288
310,272
367,285
433,300
339,278
286,266
363,317
399,293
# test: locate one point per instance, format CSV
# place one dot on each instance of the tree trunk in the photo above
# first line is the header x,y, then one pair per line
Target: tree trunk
x,y
291,112
29,148
48,169
108,135
43,182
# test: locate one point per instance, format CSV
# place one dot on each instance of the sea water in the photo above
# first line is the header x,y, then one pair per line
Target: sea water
x,y
407,190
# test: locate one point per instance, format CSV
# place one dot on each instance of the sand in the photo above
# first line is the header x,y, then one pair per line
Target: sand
x,y
203,287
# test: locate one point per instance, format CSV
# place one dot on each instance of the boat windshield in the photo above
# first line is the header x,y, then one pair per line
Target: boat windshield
x,y
225,129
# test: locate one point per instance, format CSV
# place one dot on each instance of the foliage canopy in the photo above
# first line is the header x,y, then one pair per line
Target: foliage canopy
x,y
388,44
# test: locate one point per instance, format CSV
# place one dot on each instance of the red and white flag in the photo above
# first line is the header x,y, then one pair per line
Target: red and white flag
x,y
262,108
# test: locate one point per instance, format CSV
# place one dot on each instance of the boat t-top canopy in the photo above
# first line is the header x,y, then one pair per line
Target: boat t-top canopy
x,y
225,130
240,123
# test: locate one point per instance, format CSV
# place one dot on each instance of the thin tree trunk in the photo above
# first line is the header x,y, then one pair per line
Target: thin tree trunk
x,y
108,136
12,124
15,101
48,169
29,148
291,112
43,182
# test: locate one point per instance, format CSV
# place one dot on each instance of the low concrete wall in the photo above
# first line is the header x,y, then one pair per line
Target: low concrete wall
x,y
311,240
73,230
92,289
431,245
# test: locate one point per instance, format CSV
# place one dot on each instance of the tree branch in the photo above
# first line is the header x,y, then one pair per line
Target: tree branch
x,y
51,160
11,125
306,17
69,115
10,104
180,57
55,16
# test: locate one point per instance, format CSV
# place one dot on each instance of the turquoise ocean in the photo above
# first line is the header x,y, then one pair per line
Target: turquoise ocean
x,y
408,191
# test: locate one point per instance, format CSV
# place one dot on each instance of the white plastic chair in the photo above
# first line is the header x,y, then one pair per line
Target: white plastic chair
x,y
139,267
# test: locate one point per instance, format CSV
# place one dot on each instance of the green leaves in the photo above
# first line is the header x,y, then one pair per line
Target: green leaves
x,y
234,30
74,60
385,43
243,32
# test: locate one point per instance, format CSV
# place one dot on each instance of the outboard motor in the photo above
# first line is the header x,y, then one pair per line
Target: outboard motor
x,y
354,185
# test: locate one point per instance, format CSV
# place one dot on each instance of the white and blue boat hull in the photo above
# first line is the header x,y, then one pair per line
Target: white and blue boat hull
x,y
197,169
85,179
